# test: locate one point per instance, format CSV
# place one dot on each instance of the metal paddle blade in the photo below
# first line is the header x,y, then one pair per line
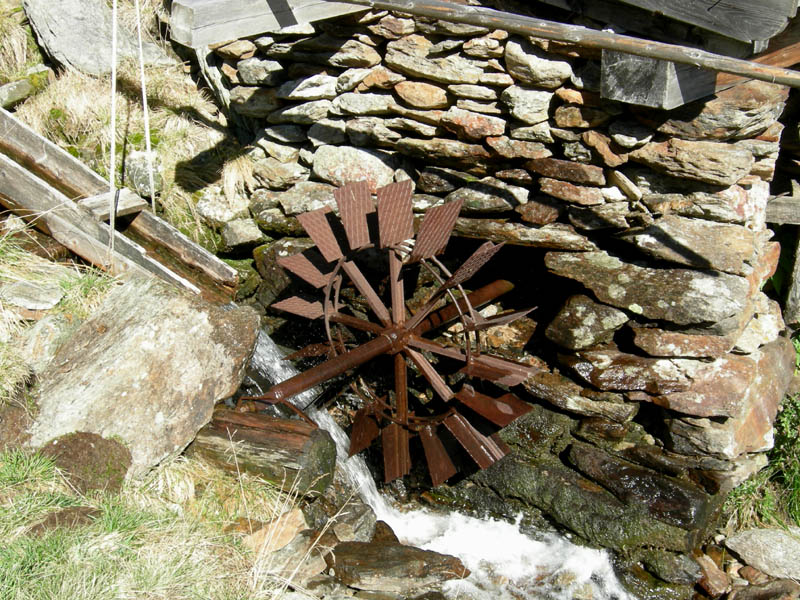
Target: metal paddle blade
x,y
396,455
365,430
395,216
482,449
434,233
440,466
473,264
355,203
497,370
501,319
299,306
319,229
303,265
500,411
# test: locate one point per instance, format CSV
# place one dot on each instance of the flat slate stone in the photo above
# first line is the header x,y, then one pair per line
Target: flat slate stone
x,y
680,296
342,164
409,55
697,243
711,162
582,323
774,551
554,236
489,195
529,65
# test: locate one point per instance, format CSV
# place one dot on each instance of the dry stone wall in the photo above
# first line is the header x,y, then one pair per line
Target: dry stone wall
x,y
662,363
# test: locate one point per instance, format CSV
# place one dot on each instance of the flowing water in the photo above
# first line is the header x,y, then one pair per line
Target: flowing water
x,y
504,562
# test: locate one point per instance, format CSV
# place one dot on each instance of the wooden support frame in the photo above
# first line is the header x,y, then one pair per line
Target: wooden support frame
x,y
63,178
198,23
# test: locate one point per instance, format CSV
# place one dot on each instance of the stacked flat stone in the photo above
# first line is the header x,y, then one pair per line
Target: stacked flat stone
x,y
517,129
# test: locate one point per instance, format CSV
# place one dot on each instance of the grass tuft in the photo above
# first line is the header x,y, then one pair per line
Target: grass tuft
x,y
168,537
772,496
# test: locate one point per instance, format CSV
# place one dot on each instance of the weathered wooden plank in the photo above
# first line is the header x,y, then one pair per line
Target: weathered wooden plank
x,y
128,203
651,82
663,84
157,230
197,23
288,452
51,211
47,160
582,36
784,210
740,19
74,179
791,311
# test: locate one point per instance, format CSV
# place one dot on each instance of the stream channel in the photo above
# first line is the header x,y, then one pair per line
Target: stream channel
x,y
505,563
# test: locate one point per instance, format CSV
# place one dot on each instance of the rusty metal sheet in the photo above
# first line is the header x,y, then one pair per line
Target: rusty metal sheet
x,y
498,370
319,229
397,288
396,454
429,372
473,264
482,449
355,203
500,411
365,430
395,216
303,265
440,466
434,233
299,306
501,319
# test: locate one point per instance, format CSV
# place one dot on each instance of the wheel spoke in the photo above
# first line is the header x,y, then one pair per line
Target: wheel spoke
x,y
397,289
400,389
369,293
437,382
396,455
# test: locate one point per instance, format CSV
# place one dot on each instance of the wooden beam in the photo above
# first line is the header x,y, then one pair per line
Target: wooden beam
x,y
743,20
197,23
52,212
70,177
784,210
582,36
127,203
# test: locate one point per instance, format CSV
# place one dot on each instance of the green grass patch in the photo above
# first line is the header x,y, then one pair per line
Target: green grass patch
x,y
772,496
164,538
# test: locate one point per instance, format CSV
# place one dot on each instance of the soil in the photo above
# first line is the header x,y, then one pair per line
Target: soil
x,y
90,461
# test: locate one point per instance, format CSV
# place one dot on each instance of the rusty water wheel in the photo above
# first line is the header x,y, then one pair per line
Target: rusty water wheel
x,y
386,228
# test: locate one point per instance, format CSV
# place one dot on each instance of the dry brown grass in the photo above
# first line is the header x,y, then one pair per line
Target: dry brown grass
x,y
18,49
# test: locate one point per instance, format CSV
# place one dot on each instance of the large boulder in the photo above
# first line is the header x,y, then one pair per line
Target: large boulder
x,y
145,369
77,34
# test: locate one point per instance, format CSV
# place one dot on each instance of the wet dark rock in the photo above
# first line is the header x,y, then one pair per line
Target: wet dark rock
x,y
645,586
539,431
582,323
568,395
678,295
578,504
750,430
672,568
89,461
384,533
553,235
696,243
69,518
392,567
304,557
670,500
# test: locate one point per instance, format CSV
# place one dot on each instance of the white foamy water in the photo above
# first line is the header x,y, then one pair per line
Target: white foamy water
x,y
504,562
